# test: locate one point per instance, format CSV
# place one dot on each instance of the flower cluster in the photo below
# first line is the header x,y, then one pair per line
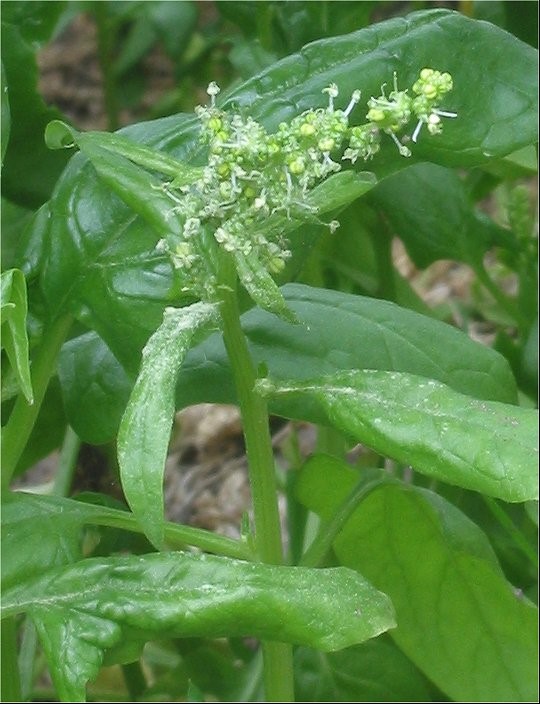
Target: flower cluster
x,y
252,175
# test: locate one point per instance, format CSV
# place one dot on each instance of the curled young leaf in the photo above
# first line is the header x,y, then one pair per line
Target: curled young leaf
x,y
144,433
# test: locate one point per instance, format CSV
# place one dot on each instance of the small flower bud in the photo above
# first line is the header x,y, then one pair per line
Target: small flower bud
x,y
307,129
326,144
297,166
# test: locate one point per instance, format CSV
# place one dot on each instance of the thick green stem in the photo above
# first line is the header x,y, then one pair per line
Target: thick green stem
x,y
23,416
278,669
11,684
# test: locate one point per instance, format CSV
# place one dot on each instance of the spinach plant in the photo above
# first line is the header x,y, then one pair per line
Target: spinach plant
x,y
242,255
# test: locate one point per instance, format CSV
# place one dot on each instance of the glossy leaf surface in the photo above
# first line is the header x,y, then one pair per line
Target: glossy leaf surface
x,y
93,605
95,388
336,331
102,261
486,446
143,437
340,331
496,112
458,618
51,526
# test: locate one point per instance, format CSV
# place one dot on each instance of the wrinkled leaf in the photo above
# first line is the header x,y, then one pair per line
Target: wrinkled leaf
x,y
458,618
14,336
50,527
486,446
144,433
339,331
89,607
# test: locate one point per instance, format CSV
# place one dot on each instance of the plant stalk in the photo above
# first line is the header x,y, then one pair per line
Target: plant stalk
x,y
278,667
11,683
17,430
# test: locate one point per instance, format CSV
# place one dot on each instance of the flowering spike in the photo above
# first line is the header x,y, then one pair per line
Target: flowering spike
x,y
251,174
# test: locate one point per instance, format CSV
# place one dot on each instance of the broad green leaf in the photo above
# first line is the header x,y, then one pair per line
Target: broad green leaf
x,y
93,379
485,446
51,528
428,208
140,190
495,118
144,433
97,245
93,605
458,618
14,309
375,671
30,170
338,331
50,536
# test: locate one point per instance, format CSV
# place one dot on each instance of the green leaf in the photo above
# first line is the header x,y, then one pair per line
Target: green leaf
x,y
375,671
94,380
144,433
35,20
458,618
495,118
14,309
100,258
141,191
339,331
84,609
350,261
5,121
59,135
261,286
30,170
96,244
48,431
428,208
51,537
51,526
485,446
